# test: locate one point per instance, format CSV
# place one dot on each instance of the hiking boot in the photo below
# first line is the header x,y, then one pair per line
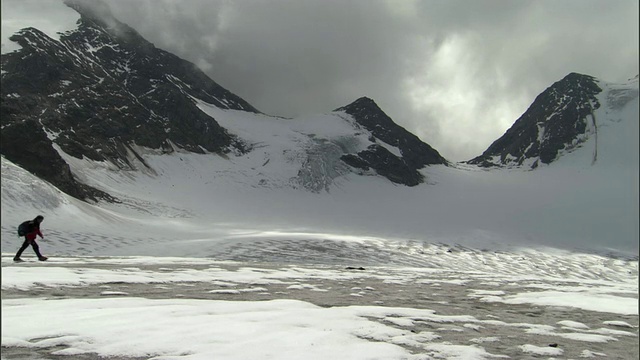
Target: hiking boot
x,y
17,259
43,258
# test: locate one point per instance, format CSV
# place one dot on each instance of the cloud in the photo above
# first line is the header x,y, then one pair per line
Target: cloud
x,y
47,16
456,73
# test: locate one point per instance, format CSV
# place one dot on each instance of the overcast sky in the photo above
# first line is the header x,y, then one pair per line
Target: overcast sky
x,y
455,73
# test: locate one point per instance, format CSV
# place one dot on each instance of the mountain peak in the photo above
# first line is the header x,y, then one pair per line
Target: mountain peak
x,y
556,120
365,101
368,114
359,105
576,76
100,90
577,81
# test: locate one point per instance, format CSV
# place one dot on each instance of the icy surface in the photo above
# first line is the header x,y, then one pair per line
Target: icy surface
x,y
261,311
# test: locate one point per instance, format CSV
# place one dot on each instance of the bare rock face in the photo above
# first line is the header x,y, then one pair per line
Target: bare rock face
x,y
415,154
556,120
102,91
98,90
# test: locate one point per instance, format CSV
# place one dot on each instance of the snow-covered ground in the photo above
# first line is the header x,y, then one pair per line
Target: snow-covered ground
x,y
229,257
187,308
200,204
460,268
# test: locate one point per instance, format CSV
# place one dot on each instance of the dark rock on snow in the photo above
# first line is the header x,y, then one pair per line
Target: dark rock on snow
x,y
103,90
99,90
415,153
555,121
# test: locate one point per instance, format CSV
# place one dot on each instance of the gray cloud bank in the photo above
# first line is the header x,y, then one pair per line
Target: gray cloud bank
x,y
456,73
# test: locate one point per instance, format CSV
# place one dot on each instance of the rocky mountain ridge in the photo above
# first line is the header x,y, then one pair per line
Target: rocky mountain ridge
x,y
415,153
96,91
560,119
103,90
103,93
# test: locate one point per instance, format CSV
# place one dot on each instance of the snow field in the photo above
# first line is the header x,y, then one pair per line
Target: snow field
x,y
181,308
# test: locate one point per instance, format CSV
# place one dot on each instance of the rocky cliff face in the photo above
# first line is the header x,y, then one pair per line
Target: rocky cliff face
x,y
557,120
102,92
403,169
98,90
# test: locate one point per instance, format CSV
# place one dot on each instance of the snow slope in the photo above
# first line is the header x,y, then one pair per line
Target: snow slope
x,y
18,15
475,264
211,202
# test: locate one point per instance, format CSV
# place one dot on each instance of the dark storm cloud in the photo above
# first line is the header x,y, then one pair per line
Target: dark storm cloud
x,y
456,73
292,57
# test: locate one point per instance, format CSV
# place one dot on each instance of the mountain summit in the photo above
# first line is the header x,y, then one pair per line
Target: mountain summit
x,y
99,90
560,118
98,112
414,154
104,94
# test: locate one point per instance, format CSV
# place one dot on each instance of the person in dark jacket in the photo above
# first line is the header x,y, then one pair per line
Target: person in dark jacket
x,y
33,229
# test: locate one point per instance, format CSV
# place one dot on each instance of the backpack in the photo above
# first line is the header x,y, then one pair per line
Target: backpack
x,y
23,229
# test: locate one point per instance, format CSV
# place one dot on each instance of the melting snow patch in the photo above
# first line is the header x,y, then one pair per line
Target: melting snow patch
x,y
541,350
485,339
572,324
618,323
473,327
400,321
239,291
590,354
587,337
591,302
305,287
415,340
245,330
229,292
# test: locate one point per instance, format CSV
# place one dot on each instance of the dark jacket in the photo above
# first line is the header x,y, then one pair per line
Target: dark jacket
x,y
33,230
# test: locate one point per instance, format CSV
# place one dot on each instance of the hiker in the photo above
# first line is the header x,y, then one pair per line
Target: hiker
x,y
32,230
